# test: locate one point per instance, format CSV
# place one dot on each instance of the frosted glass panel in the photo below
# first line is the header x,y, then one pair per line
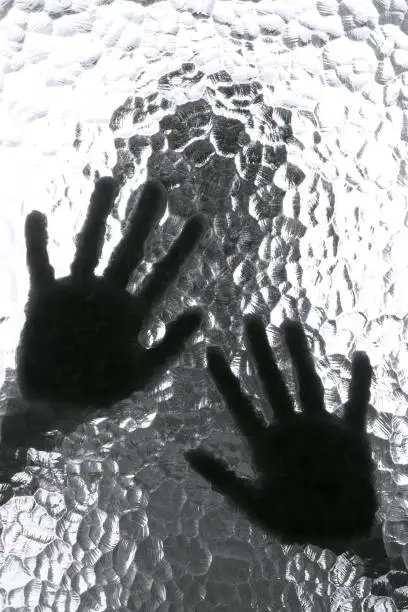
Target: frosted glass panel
x,y
286,123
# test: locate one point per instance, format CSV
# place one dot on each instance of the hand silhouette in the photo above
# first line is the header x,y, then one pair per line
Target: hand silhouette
x,y
79,343
315,470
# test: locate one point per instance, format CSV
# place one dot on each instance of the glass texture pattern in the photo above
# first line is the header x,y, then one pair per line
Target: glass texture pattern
x,y
286,123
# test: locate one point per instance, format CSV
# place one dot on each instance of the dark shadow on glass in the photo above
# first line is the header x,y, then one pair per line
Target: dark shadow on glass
x,y
79,344
315,483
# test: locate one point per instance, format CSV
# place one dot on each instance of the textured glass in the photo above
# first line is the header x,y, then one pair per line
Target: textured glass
x,y
285,121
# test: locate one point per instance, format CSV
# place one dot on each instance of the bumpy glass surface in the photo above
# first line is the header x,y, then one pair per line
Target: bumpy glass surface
x,y
286,123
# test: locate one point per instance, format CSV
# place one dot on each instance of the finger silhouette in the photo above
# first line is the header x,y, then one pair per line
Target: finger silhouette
x,y
178,332
355,409
129,252
238,403
240,491
36,236
168,268
268,371
311,391
91,237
